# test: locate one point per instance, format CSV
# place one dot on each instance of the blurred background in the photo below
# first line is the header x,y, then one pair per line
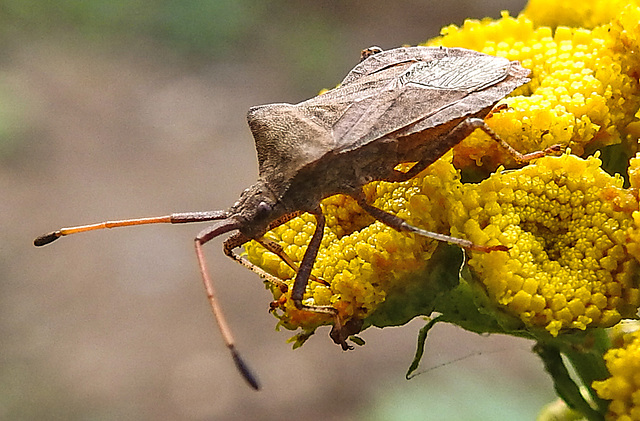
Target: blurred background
x,y
116,109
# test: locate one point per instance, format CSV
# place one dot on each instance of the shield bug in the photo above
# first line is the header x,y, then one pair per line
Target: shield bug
x,y
408,104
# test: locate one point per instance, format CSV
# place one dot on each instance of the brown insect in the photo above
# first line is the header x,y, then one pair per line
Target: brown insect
x,y
403,105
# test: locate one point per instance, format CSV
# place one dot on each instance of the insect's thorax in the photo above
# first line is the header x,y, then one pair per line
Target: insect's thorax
x,y
347,172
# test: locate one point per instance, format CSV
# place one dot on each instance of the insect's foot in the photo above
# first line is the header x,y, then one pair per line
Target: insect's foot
x,y
273,306
322,281
341,331
276,304
553,149
487,249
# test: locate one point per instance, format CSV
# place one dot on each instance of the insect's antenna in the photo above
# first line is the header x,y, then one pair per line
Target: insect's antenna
x,y
205,236
174,218
227,224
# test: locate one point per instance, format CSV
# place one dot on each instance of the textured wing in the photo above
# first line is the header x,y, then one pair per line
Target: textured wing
x,y
422,86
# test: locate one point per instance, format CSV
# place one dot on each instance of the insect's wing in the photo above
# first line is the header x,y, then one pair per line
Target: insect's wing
x,y
376,63
421,90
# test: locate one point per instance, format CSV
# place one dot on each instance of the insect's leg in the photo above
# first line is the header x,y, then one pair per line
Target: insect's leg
x,y
304,270
277,249
341,331
284,218
455,136
461,131
400,224
223,326
237,240
472,124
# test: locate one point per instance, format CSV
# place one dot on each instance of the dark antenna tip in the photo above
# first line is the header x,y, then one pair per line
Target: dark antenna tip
x,y
46,239
245,370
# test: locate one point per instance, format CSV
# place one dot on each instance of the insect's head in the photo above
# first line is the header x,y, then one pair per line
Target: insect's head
x,y
254,210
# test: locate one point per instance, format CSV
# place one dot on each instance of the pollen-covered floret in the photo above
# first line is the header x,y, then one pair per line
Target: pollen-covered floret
x,y
565,222
623,387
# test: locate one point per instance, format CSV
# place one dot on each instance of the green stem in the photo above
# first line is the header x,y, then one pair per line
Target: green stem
x,y
588,364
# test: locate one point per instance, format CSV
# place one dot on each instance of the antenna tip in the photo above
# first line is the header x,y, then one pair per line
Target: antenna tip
x,y
46,239
245,370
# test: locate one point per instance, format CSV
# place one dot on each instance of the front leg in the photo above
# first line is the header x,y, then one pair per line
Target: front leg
x,y
304,270
237,240
277,249
340,331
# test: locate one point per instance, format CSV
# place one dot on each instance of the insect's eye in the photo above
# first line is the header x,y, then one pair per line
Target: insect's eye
x,y
263,209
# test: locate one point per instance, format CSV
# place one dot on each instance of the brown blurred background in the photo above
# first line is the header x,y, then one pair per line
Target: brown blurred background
x,y
115,109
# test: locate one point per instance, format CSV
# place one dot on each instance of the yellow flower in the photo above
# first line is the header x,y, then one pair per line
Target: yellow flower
x,y
590,14
565,222
573,230
623,387
584,88
633,245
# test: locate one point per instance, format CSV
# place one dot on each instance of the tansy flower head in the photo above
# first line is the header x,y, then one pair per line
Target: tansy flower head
x,y
590,14
565,222
623,387
584,88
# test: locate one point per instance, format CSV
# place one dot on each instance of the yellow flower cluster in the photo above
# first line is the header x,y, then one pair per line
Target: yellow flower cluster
x,y
584,88
566,224
590,14
633,247
572,229
623,387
